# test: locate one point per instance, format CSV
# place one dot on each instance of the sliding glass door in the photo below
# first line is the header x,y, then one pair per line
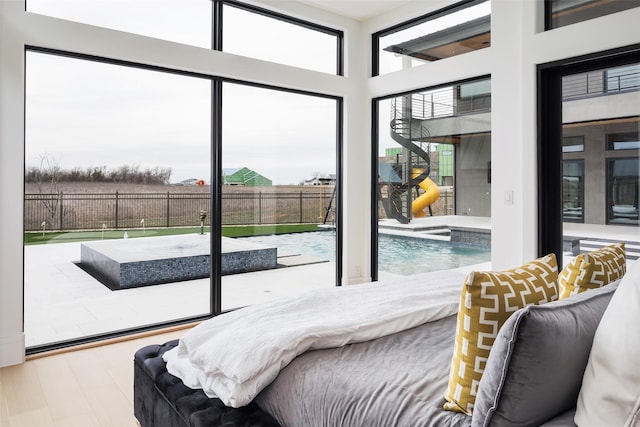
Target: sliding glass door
x,y
590,110
121,232
117,171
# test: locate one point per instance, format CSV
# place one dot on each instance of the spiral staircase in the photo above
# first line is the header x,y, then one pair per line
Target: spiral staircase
x,y
409,132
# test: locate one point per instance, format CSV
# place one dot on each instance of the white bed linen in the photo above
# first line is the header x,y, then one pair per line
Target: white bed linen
x,y
235,355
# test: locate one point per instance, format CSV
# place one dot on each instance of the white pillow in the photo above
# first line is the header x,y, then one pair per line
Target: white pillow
x,y
610,393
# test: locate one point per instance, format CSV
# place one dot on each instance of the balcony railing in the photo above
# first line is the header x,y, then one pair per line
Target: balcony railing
x,y
441,103
599,83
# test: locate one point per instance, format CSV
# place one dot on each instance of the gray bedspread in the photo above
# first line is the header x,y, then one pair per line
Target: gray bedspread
x,y
397,380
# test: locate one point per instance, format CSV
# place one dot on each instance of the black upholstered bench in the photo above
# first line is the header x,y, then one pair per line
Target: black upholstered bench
x,y
162,400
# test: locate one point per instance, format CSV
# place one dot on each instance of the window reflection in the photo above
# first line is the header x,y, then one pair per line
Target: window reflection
x,y
440,35
566,12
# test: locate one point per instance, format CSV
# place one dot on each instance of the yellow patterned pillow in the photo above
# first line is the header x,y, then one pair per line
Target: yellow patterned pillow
x,y
593,270
486,302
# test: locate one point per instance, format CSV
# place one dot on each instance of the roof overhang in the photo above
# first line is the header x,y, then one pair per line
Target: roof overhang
x,y
461,38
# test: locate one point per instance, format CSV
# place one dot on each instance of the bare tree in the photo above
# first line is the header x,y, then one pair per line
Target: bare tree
x,y
46,177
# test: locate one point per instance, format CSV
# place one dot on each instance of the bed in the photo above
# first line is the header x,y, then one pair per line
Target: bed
x,y
161,400
397,380
390,370
393,367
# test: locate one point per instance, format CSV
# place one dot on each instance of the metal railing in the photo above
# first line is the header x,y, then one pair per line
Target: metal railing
x,y
442,103
598,83
93,211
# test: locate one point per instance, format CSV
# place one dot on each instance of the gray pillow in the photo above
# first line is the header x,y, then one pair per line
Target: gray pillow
x,y
535,367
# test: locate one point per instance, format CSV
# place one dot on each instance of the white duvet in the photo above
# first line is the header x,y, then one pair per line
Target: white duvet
x,y
235,355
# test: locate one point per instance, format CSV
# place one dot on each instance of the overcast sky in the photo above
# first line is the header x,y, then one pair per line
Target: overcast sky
x,y
82,113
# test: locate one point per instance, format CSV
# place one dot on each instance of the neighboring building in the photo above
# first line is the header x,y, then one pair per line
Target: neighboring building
x,y
328,179
600,146
445,164
244,176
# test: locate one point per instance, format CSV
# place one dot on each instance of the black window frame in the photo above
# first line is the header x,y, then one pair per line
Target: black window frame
x,y
216,191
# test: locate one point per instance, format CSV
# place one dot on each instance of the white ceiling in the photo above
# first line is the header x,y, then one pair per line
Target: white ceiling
x,y
356,9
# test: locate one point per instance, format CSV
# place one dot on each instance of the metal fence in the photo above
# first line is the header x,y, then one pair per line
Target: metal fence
x,y
91,211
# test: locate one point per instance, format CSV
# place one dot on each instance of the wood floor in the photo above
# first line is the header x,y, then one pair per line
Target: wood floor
x,y
89,387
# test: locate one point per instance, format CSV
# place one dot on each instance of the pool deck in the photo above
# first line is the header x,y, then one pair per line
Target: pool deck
x,y
63,302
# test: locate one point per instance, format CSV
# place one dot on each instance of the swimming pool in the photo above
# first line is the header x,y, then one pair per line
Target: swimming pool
x,y
396,254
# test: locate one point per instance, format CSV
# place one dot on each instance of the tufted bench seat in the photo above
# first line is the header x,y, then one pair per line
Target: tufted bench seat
x,y
161,400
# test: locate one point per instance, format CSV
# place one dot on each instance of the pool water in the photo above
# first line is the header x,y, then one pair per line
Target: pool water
x,y
396,254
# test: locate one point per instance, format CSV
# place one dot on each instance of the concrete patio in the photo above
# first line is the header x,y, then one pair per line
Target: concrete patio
x,y
62,301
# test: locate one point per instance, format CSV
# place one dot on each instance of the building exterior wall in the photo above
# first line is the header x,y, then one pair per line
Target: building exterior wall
x,y
596,157
472,178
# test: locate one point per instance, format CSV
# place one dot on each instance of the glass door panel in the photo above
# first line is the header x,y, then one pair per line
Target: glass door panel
x,y
278,193
117,167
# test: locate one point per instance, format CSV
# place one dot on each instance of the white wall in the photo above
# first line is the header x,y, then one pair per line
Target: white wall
x,y
517,47
11,168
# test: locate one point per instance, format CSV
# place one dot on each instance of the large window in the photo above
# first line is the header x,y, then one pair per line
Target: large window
x,y
159,196
117,171
432,179
461,28
121,229
596,137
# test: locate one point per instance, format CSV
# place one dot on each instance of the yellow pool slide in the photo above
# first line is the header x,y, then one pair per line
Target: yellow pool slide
x,y
430,195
